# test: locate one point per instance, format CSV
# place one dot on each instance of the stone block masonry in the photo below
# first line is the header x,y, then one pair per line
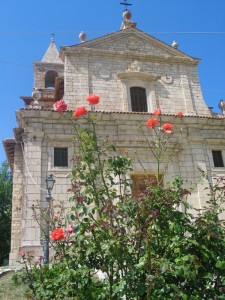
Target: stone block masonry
x,y
123,129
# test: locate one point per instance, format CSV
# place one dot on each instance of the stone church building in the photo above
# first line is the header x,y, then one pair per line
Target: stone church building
x,y
134,74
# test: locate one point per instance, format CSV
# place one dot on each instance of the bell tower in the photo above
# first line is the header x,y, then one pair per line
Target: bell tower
x,y
48,74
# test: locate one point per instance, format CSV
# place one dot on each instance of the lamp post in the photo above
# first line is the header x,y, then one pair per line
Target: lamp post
x,y
50,181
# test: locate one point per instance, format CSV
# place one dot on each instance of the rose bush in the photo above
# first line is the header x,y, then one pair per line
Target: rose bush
x,y
124,246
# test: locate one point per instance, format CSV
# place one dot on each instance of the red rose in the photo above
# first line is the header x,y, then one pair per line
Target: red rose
x,y
180,114
80,111
157,112
168,128
58,234
60,106
151,123
93,99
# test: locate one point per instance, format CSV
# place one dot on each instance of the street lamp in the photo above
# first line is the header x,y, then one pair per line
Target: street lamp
x,y
50,181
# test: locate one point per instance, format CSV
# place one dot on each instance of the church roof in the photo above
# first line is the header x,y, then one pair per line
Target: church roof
x,y
52,54
9,146
214,116
131,37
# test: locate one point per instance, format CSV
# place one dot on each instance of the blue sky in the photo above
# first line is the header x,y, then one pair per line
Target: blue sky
x,y
26,27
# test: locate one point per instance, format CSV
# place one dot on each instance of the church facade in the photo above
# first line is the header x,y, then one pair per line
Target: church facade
x,y
134,74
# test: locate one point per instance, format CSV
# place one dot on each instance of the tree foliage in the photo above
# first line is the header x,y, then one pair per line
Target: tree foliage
x,y
5,211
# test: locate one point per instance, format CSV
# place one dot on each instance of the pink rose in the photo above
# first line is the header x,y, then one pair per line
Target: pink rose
x,y
69,229
60,106
22,253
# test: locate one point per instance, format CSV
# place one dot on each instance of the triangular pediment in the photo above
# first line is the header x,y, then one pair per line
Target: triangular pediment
x,y
132,40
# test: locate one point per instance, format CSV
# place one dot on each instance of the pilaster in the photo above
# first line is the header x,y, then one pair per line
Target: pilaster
x,y
33,193
17,204
188,102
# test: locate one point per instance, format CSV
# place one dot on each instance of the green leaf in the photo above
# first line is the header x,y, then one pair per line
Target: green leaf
x,y
174,287
76,227
180,271
164,268
220,264
85,210
185,296
141,263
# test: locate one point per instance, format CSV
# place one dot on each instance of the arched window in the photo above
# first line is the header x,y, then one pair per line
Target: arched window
x,y
50,79
138,99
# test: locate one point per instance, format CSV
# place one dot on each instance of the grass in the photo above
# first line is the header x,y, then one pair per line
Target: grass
x,y
9,290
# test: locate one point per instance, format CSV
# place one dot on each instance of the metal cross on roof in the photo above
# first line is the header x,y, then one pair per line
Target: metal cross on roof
x,y
125,3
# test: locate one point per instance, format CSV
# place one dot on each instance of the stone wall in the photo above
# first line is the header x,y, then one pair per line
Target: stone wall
x,y
171,82
44,130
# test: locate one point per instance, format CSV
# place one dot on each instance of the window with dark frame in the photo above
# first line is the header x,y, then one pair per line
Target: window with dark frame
x,y
138,99
217,158
50,77
60,157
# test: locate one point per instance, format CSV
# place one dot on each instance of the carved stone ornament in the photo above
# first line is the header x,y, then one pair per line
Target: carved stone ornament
x,y
134,71
132,44
104,73
221,105
134,67
167,79
36,95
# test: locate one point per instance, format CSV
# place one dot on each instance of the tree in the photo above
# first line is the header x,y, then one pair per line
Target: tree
x,y
5,211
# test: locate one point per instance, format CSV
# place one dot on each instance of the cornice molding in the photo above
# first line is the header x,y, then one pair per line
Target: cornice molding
x,y
68,138
215,141
69,51
49,64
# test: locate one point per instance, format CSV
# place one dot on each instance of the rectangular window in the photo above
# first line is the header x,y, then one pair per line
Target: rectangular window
x,y
60,157
138,99
217,158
